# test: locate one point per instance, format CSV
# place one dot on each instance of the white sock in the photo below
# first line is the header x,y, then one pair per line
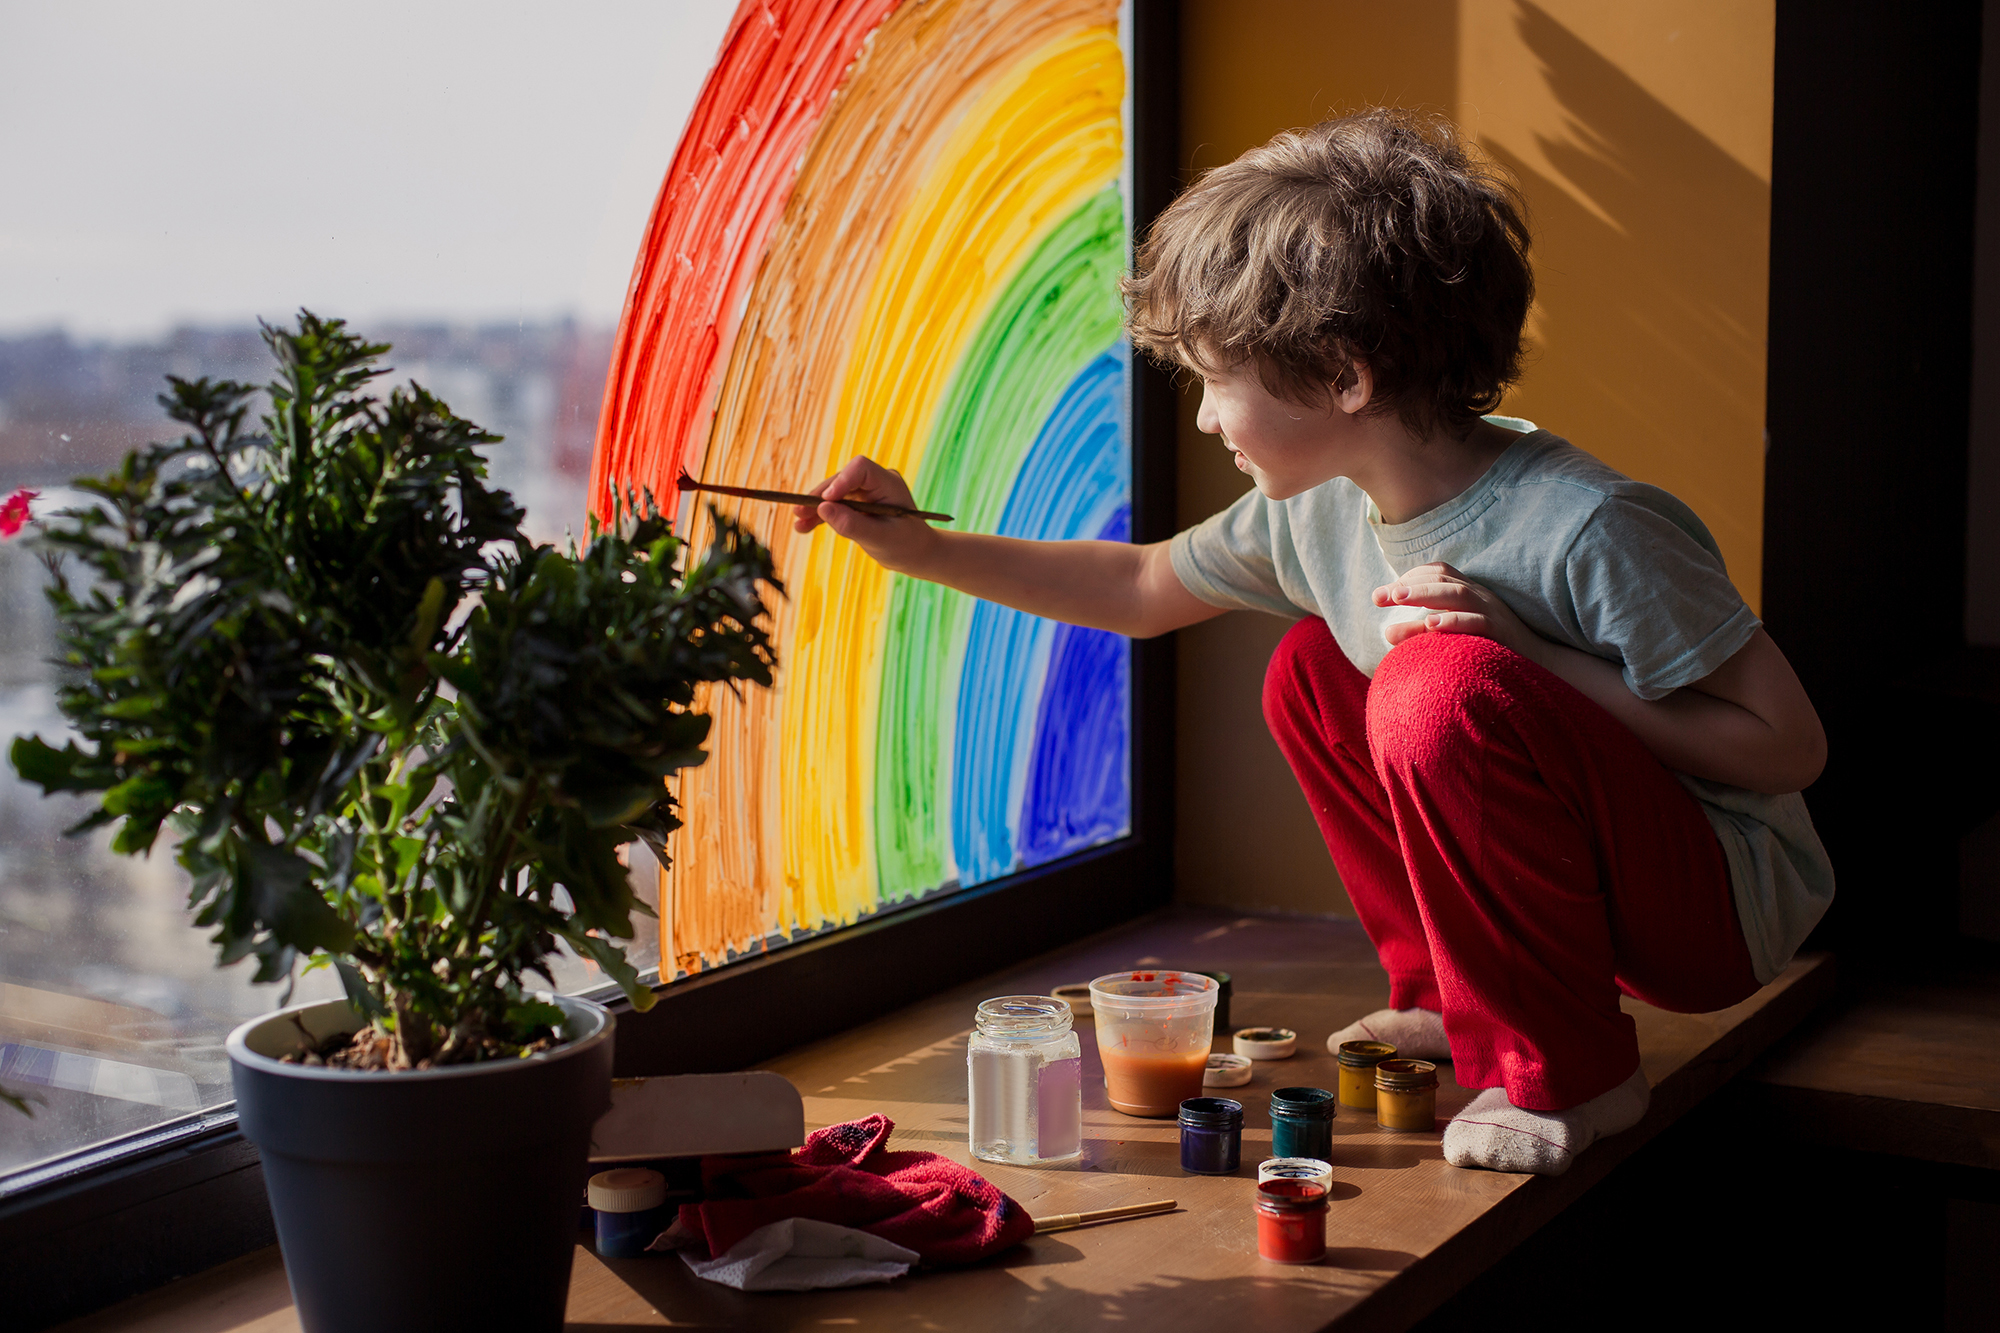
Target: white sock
x,y
1417,1034
1494,1133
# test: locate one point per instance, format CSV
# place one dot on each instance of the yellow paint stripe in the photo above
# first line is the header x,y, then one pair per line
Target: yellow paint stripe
x,y
1039,142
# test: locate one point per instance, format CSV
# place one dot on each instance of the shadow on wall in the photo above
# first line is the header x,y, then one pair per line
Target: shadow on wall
x,y
1648,341
1658,370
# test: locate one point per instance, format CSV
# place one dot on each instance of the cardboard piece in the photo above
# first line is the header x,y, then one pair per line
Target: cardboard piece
x,y
699,1115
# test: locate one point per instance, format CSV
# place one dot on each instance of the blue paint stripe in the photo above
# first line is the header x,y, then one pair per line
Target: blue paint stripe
x,y
1079,791
1074,482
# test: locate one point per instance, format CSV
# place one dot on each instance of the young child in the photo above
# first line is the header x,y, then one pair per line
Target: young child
x,y
1554,755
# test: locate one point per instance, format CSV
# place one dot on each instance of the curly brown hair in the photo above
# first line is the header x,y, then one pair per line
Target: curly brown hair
x,y
1375,236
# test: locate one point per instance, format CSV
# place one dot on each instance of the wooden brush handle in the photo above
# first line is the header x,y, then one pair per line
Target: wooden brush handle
x,y
879,508
1065,1221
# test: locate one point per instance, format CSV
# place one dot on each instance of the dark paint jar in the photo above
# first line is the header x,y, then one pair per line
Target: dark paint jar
x,y
1291,1221
631,1206
1211,1136
1302,1123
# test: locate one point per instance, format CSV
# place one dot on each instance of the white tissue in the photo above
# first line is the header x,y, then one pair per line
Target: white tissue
x,y
799,1254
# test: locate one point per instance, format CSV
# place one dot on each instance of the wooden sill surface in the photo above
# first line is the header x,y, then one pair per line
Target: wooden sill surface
x,y
1406,1230
1910,1069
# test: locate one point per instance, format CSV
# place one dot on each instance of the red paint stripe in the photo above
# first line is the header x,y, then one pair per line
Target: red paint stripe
x,y
725,191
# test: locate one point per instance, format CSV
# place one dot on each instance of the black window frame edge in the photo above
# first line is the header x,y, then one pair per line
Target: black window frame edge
x,y
93,1227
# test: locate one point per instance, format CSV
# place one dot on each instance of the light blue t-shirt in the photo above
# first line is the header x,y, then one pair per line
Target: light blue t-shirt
x,y
1585,556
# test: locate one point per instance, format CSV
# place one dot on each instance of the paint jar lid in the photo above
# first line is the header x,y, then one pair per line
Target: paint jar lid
x,y
1226,1071
1365,1054
1405,1075
1295,1168
1302,1104
629,1189
1212,1113
1291,1196
1265,1043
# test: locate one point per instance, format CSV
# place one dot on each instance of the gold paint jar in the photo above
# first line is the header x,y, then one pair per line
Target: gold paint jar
x,y
1406,1094
1357,1071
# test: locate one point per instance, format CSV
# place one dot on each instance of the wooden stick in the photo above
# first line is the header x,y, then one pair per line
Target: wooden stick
x,y
879,508
1065,1221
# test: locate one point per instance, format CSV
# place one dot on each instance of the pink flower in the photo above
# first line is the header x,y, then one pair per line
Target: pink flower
x,y
15,511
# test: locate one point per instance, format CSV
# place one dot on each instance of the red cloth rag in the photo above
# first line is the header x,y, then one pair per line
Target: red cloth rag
x,y
845,1174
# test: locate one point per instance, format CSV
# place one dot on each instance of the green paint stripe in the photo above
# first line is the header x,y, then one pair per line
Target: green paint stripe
x,y
1057,313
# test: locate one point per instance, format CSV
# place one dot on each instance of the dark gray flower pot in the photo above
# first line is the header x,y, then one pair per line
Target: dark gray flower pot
x,y
430,1199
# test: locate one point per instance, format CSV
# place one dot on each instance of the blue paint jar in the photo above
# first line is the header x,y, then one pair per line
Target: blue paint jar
x,y
1211,1136
1302,1123
631,1210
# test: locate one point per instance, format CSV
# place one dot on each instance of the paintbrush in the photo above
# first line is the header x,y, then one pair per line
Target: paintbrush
x,y
1065,1221
878,508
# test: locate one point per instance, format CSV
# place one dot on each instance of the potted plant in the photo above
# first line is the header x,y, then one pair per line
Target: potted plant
x,y
392,736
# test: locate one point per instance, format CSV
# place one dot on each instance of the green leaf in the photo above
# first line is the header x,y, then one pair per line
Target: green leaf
x,y
339,772
408,852
612,959
140,795
357,990
430,614
285,898
135,835
534,1015
55,770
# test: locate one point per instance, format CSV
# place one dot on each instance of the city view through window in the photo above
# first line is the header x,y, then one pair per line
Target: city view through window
x,y
466,182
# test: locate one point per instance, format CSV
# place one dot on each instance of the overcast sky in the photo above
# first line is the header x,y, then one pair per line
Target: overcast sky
x,y
208,161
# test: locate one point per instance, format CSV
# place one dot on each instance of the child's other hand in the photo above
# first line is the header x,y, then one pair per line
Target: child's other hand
x,y
895,543
1457,606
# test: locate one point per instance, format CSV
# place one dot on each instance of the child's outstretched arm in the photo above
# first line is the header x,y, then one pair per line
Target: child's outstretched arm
x,y
1748,723
1118,586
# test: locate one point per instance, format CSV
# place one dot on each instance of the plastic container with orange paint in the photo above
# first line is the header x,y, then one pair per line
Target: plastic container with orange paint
x,y
1154,1029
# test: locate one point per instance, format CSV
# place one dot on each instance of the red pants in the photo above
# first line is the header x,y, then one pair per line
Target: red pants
x,y
1517,856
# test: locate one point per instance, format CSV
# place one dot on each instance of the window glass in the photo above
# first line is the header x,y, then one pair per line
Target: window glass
x,y
469,182
888,227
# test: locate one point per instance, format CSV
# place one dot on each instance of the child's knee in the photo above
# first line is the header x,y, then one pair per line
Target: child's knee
x,y
1436,691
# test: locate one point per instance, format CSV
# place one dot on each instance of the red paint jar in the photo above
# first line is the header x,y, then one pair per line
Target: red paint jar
x,y
1291,1221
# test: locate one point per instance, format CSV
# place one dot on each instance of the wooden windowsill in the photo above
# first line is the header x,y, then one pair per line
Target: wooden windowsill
x,y
1406,1230
1907,1069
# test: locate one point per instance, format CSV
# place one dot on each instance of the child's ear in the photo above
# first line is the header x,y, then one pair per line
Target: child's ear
x,y
1354,387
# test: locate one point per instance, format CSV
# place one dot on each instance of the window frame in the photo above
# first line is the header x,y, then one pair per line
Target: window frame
x,y
127,1215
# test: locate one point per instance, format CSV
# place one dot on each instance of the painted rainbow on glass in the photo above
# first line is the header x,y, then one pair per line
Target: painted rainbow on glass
x,y
893,229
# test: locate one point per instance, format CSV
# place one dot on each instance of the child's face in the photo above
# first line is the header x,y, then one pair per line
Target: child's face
x,y
1287,448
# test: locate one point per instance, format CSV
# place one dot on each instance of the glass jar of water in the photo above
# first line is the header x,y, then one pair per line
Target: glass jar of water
x,y
1024,1077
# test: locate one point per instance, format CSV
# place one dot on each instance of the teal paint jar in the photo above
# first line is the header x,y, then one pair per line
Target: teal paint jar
x,y
1302,1123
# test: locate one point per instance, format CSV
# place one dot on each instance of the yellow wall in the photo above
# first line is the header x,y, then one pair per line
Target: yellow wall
x,y
1640,132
